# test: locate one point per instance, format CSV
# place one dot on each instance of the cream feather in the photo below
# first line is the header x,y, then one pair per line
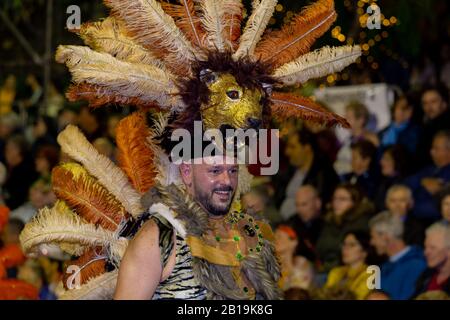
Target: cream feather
x,y
212,20
147,82
75,144
245,180
256,24
109,35
98,288
317,64
150,24
53,226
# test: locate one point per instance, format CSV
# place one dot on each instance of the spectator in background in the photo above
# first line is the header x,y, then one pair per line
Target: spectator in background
x,y
445,207
90,122
437,118
21,173
399,202
363,173
353,274
349,211
400,273
378,295
9,125
40,195
46,159
402,131
44,133
437,253
104,147
394,166
309,167
296,271
66,116
358,116
428,182
257,202
307,223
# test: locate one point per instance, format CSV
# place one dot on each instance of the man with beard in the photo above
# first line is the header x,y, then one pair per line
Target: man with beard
x,y
199,244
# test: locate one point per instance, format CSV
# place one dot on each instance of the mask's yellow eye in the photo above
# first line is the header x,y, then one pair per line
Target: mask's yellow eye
x,y
233,94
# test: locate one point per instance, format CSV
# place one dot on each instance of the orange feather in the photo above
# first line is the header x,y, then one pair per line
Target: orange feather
x,y
297,37
98,96
86,196
89,268
187,20
287,105
135,155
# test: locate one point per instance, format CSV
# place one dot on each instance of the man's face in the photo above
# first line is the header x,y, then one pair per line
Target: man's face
x,y
440,151
359,163
436,252
432,104
212,185
445,207
295,151
378,241
398,202
307,204
402,111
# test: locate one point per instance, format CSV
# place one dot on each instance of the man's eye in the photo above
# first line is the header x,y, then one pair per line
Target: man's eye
x,y
233,171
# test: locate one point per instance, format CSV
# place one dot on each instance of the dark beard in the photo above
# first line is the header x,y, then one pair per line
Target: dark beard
x,y
204,200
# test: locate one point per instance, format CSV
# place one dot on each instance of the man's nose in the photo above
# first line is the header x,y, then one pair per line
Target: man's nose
x,y
225,178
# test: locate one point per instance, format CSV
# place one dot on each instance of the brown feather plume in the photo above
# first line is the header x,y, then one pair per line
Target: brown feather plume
x,y
135,155
88,198
297,37
233,19
187,20
98,96
286,105
90,264
155,30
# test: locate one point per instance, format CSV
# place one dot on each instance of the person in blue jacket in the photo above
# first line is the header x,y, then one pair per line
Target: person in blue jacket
x,y
399,274
429,182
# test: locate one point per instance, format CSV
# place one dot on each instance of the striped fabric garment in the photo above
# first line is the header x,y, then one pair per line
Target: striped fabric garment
x,y
181,284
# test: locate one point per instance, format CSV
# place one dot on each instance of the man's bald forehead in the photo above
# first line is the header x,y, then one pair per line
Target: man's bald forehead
x,y
308,190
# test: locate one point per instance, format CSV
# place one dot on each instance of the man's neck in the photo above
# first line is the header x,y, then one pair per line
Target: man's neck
x,y
396,247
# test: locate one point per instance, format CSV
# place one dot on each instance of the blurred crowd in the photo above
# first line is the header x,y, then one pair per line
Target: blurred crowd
x,y
366,217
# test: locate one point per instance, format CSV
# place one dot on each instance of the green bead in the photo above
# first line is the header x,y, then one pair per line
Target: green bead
x,y
245,289
239,256
260,235
258,248
236,238
256,227
217,238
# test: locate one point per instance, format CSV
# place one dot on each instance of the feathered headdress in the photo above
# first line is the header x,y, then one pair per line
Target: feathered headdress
x,y
195,60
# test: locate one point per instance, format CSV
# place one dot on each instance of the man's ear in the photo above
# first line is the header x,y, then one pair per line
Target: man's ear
x,y
186,173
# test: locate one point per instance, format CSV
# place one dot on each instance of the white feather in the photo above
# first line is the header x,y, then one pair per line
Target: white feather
x,y
56,226
169,215
98,288
148,82
75,144
317,64
151,24
255,27
212,20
